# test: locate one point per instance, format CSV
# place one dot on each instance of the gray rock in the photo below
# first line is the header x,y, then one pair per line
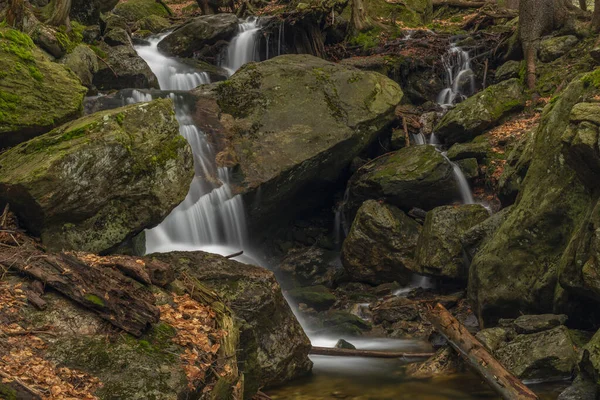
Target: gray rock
x,y
508,70
477,236
492,338
317,297
84,63
395,309
477,150
342,344
127,70
553,48
538,323
469,167
580,389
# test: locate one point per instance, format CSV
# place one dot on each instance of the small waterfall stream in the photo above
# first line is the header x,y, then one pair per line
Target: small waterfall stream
x,y
243,48
459,78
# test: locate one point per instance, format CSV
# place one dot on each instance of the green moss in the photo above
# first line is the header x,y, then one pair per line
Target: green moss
x,y
593,78
367,40
17,43
35,73
92,298
135,10
119,118
99,52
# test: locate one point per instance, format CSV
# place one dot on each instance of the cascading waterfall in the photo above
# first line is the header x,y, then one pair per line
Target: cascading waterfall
x,y
243,48
211,218
459,78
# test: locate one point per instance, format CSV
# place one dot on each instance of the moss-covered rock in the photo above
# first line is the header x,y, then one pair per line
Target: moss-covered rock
x,y
439,252
127,69
340,323
469,167
380,245
97,181
198,34
476,237
516,271
36,94
317,297
293,124
88,12
552,48
274,346
84,63
481,111
508,70
416,176
152,23
515,169
410,13
135,10
478,150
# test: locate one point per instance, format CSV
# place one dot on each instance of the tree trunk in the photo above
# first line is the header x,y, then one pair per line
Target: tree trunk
x,y
14,14
494,373
596,17
327,351
360,20
512,4
59,11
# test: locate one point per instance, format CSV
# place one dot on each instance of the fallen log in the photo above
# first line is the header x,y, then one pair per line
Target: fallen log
x,y
499,378
328,351
459,3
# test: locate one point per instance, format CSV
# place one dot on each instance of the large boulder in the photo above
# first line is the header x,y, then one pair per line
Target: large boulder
x,y
416,176
198,34
516,271
481,111
552,48
36,94
291,125
439,251
274,346
84,63
380,245
134,10
123,69
100,180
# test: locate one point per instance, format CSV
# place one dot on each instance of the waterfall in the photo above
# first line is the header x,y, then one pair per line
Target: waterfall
x,y
461,181
458,77
243,48
210,218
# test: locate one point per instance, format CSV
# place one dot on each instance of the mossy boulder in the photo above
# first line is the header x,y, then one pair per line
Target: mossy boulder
x,y
308,267
516,271
292,125
125,69
515,169
117,37
152,23
274,346
476,237
317,297
553,48
416,176
469,167
100,180
339,323
135,10
439,251
508,70
199,34
481,111
36,94
477,150
411,12
380,245
84,63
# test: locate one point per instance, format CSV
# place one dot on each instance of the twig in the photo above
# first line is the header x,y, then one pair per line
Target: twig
x,y
5,215
239,253
108,65
485,71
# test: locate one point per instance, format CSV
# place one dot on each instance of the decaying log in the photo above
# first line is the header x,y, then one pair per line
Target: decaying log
x,y
35,300
459,3
327,351
494,373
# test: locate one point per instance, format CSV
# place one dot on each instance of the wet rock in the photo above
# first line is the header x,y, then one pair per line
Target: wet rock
x,y
439,251
395,309
100,180
135,10
342,344
343,323
508,70
416,176
117,37
308,267
515,169
538,323
380,245
544,355
398,140
87,12
84,63
123,69
444,362
481,111
199,35
317,297
274,348
292,125
477,150
152,24
493,338
476,237
580,389
517,270
469,167
553,48
58,94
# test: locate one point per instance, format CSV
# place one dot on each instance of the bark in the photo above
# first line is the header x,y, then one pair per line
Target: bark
x,y
596,17
58,13
15,13
459,3
583,5
327,351
478,358
512,4
360,20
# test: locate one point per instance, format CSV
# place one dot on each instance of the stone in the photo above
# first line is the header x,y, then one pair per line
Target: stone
x,y
517,271
84,63
439,251
117,37
342,344
416,176
508,70
581,389
153,24
341,323
87,12
317,297
445,362
395,309
135,10
274,348
198,35
538,323
380,245
469,168
308,267
477,150
482,111
95,182
515,169
123,69
544,355
493,338
553,48
476,237
36,95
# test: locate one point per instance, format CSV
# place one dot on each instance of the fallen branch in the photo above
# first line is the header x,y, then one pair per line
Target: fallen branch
x,y
328,351
459,3
494,373
239,253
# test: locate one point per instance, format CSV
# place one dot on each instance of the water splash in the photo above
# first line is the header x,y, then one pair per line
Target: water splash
x,y
459,77
243,48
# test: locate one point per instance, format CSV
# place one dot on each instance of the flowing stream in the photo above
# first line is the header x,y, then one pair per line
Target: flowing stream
x,y
244,46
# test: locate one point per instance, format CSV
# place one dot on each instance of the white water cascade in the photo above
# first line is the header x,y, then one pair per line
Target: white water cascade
x,y
243,48
211,218
459,78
